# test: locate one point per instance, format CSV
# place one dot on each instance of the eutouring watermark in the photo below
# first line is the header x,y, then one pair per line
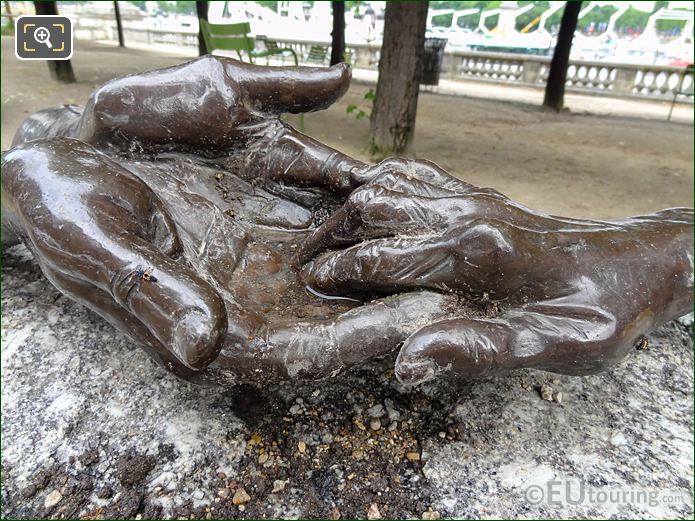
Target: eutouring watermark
x,y
572,492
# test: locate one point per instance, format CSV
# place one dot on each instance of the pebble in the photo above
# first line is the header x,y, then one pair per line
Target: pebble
x,y
357,454
558,397
442,434
375,424
335,513
198,494
223,493
240,497
301,446
547,393
618,439
373,512
392,412
263,458
393,426
376,412
412,456
52,499
431,514
295,409
279,485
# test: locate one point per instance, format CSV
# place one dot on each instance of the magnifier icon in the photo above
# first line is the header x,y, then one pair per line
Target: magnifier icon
x,y
43,35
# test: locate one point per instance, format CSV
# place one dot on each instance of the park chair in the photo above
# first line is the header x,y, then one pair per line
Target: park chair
x,y
317,55
235,37
273,49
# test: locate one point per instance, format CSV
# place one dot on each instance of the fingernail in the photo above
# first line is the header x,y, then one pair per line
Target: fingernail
x,y
196,339
415,370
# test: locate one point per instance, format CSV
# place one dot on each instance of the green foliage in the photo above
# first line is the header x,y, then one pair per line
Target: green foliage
x,y
370,96
270,4
631,18
178,7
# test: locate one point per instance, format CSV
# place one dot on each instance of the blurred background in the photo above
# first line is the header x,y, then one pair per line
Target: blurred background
x,y
619,141
640,33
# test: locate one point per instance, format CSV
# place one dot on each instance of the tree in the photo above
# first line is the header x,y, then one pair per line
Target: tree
x,y
338,33
61,70
555,87
119,24
201,9
393,115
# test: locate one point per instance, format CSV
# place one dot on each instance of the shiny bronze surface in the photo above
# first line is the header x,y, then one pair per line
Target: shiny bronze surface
x,y
179,207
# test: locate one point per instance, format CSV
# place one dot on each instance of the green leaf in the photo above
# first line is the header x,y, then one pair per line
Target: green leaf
x,y
360,114
370,95
350,108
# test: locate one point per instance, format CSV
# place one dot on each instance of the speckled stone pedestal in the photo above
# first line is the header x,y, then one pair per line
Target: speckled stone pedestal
x,y
92,428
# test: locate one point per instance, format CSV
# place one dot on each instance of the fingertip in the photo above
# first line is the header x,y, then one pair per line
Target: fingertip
x,y
460,347
322,87
197,337
413,365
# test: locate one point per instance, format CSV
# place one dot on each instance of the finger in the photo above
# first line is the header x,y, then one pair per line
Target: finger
x,y
383,265
103,304
374,211
422,170
321,348
470,258
88,217
556,336
276,90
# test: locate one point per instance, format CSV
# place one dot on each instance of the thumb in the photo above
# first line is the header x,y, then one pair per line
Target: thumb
x,y
90,219
290,89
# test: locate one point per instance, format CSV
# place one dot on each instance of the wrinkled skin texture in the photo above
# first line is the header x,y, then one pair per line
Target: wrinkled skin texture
x,y
574,295
188,173
100,193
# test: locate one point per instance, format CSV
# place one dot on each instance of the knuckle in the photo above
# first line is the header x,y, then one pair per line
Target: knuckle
x,y
490,239
361,197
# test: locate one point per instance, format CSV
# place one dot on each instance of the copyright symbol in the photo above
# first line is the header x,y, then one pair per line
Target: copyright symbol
x,y
534,494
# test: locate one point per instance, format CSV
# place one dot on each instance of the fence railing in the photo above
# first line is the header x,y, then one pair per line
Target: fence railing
x,y
601,78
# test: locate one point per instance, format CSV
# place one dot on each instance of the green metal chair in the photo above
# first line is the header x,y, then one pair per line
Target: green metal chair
x,y
235,37
318,55
273,49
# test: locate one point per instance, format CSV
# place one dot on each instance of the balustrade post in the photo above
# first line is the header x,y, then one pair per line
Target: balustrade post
x,y
531,71
624,80
449,65
362,57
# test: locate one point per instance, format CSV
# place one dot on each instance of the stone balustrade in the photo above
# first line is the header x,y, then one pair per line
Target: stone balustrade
x,y
600,78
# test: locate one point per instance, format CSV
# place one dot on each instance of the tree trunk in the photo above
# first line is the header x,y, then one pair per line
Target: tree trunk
x,y
119,24
555,87
338,33
201,9
61,70
393,115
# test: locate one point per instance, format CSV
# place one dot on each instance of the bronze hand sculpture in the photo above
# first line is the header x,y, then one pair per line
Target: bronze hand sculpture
x,y
106,195
573,296
176,202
